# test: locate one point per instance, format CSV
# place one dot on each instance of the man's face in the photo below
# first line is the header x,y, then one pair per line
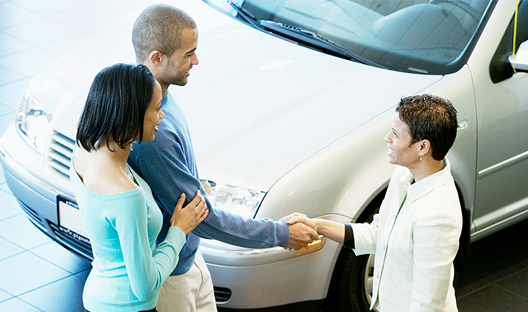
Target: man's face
x,y
176,70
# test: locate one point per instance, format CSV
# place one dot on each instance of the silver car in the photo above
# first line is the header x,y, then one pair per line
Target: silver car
x,y
288,110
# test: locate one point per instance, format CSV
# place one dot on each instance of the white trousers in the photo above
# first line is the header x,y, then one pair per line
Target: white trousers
x,y
189,292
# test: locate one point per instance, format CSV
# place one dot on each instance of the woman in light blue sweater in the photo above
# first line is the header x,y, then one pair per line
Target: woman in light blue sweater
x,y
118,210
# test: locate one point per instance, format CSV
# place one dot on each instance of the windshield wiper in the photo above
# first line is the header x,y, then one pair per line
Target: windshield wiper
x,y
244,14
312,39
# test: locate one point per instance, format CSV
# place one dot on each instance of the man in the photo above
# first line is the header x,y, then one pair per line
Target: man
x,y
165,40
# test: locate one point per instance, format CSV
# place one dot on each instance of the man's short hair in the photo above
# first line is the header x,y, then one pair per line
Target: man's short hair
x,y
115,107
159,27
430,117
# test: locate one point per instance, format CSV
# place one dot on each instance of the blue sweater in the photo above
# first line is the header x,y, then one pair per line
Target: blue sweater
x,y
128,269
168,165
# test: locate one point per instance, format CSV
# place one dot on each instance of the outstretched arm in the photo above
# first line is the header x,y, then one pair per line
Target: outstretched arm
x,y
165,167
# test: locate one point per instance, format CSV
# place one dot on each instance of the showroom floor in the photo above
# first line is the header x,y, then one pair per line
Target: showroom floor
x,y
36,274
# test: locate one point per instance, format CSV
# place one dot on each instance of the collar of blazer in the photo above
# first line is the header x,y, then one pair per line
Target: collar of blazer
x,y
424,186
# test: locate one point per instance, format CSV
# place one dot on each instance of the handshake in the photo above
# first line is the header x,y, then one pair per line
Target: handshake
x,y
304,231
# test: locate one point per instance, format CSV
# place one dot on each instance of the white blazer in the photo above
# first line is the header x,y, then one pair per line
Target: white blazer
x,y
415,243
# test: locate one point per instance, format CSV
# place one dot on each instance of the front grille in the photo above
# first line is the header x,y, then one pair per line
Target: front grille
x,y
61,150
82,248
222,294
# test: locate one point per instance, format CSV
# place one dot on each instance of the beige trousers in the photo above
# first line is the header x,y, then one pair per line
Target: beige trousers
x,y
189,292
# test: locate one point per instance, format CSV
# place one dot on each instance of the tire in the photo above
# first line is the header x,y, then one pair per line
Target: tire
x,y
351,285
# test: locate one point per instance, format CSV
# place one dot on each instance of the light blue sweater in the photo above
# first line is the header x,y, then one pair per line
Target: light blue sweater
x,y
128,269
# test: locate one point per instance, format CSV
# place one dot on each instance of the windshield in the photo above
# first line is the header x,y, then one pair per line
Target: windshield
x,y
429,37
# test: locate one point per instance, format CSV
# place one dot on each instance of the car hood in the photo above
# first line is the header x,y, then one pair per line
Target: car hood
x,y
256,105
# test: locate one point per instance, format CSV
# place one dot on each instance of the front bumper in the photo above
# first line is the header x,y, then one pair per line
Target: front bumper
x,y
262,278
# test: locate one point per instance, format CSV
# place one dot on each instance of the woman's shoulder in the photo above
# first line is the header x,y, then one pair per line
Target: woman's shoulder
x,y
114,183
103,178
440,205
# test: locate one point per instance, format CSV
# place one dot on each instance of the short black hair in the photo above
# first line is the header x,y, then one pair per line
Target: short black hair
x,y
159,27
430,117
115,107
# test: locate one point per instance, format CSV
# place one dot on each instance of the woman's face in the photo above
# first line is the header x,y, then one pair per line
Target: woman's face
x,y
153,115
401,151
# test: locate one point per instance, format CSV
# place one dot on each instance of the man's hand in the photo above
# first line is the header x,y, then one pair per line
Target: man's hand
x,y
300,218
300,234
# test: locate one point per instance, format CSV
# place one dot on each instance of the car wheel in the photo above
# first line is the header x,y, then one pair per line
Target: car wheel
x,y
351,285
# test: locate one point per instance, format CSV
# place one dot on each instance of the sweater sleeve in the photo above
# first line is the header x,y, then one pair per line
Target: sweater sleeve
x,y
349,236
146,271
163,166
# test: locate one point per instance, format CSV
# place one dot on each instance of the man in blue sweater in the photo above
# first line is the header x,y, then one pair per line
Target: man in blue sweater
x,y
165,40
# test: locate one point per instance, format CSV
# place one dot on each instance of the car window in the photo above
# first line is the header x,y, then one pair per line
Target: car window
x,y
428,37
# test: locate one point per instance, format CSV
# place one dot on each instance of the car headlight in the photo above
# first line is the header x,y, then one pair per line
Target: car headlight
x,y
33,122
234,199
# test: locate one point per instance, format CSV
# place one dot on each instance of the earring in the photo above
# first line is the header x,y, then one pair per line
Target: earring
x,y
420,158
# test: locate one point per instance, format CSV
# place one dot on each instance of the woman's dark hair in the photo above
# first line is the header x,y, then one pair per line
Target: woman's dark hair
x,y
430,117
115,108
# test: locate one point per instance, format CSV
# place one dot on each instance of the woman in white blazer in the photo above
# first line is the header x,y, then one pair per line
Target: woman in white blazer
x,y
415,236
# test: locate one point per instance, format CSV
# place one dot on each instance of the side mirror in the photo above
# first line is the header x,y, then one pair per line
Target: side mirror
x,y
520,61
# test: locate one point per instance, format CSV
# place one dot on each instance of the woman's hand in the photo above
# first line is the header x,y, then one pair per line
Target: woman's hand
x,y
300,218
329,229
188,217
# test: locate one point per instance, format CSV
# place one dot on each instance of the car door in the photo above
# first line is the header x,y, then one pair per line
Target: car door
x,y
502,153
